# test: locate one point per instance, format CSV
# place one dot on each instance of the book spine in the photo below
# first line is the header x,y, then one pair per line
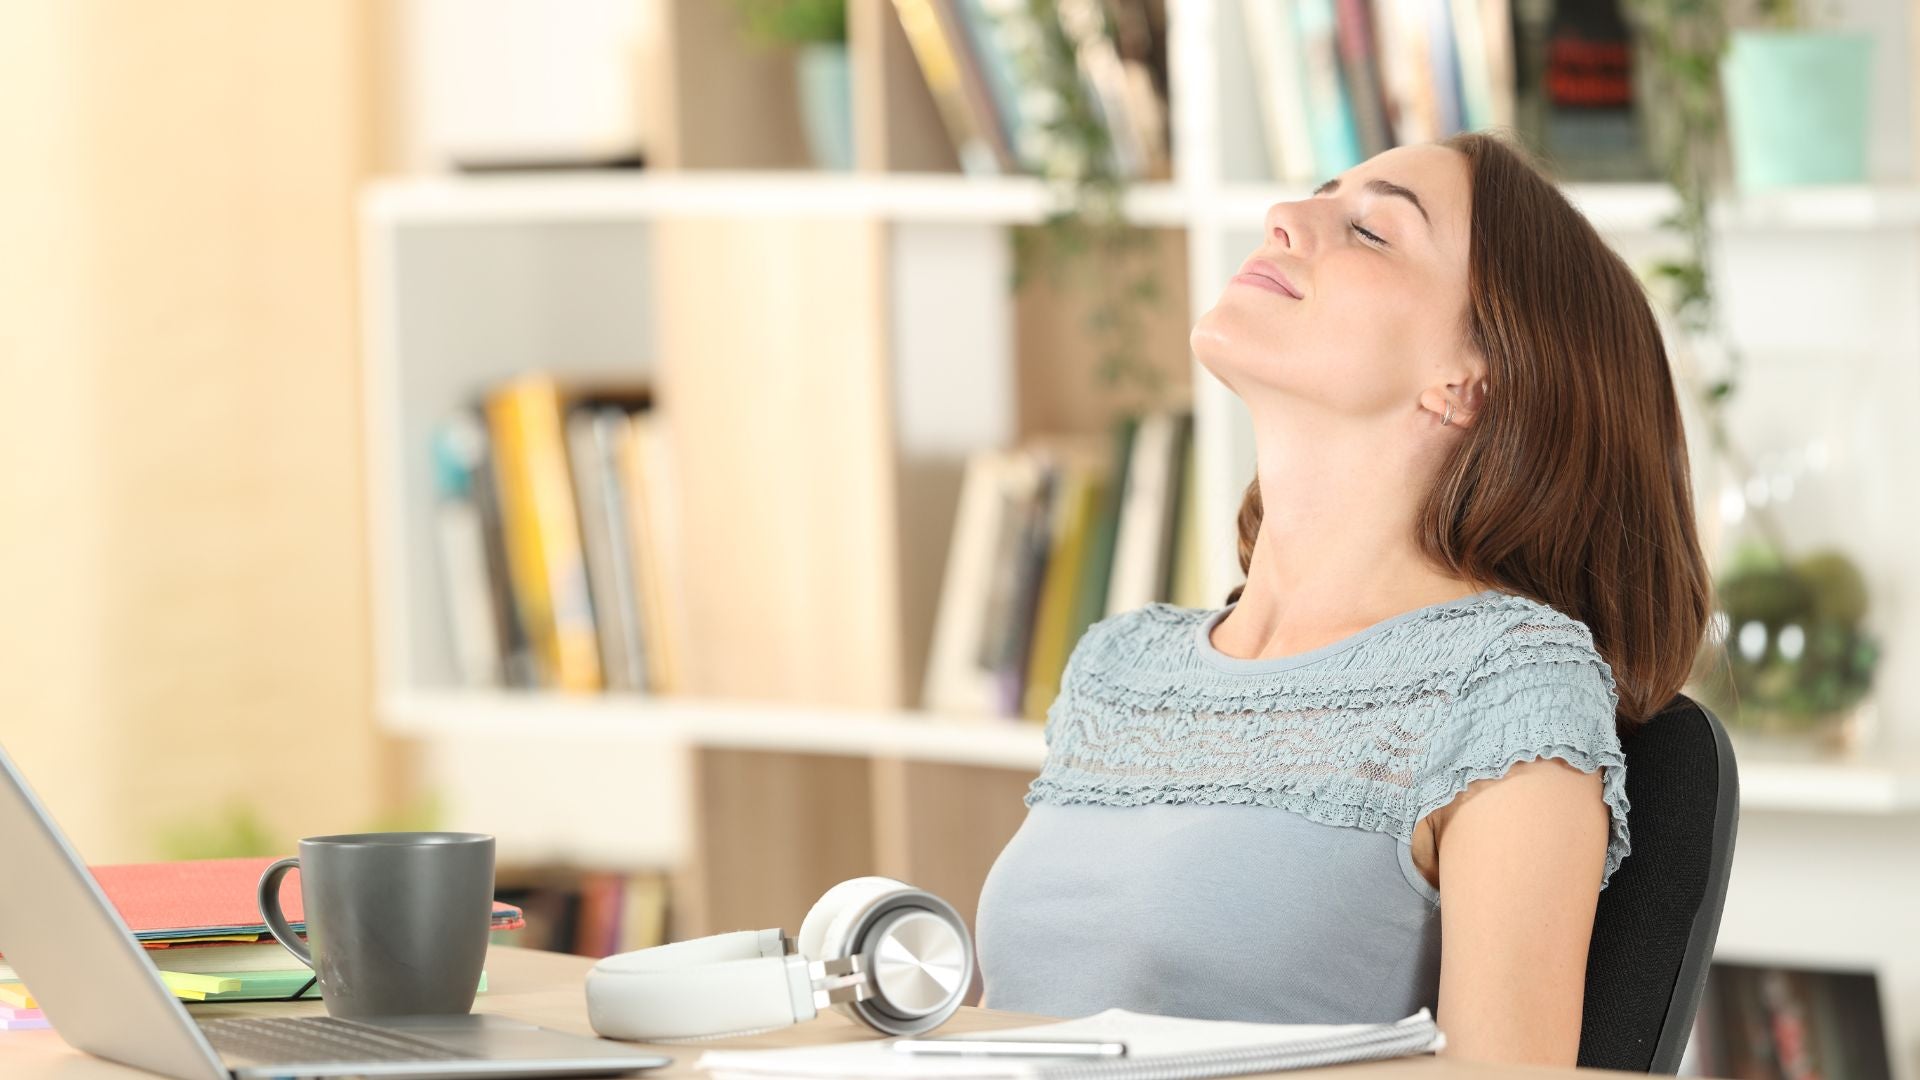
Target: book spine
x,y
462,546
1073,508
1029,567
971,70
1177,452
986,34
1336,144
1418,111
1189,564
940,66
960,626
1470,54
1096,579
1105,79
584,468
1446,66
543,535
1355,35
1137,558
1496,32
612,433
652,502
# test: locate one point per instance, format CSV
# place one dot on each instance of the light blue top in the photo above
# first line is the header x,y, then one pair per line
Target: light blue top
x,y
1232,839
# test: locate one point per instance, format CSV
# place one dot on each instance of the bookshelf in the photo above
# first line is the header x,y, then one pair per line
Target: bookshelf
x,y
761,792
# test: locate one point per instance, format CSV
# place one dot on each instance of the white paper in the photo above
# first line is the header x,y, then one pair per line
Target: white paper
x,y
1146,1035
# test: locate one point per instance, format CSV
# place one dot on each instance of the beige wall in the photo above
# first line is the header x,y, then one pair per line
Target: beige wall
x,y
181,547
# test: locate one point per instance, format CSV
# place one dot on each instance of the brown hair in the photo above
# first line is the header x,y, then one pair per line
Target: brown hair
x,y
1572,486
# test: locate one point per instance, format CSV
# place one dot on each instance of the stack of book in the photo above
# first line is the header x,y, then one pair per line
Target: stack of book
x,y
554,514
200,923
1048,539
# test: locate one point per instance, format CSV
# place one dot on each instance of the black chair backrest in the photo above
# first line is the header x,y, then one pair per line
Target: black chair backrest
x,y
1654,930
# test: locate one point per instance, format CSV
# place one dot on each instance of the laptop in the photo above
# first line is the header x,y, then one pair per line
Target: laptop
x,y
102,995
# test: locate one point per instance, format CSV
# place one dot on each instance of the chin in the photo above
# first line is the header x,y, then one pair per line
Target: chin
x,y
1216,340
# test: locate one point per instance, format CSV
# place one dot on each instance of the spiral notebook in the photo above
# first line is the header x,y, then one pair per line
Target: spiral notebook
x,y
1158,1048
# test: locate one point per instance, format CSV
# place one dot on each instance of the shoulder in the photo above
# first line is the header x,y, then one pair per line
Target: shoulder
x,y
1524,634
1534,667
1536,689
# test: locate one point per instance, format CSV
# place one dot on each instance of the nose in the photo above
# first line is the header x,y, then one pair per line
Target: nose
x,y
1285,228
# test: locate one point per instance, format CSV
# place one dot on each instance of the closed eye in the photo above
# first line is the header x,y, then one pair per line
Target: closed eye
x,y
1371,238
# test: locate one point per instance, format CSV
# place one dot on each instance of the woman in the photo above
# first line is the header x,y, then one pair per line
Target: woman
x,y
1471,564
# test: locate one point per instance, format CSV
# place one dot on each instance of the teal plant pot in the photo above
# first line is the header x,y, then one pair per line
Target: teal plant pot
x,y
826,103
1797,106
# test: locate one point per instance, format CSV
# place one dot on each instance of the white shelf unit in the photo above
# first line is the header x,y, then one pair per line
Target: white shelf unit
x,y
471,279
929,198
1840,783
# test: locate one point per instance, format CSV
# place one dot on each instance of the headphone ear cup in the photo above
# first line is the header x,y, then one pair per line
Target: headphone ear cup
x,y
846,896
919,953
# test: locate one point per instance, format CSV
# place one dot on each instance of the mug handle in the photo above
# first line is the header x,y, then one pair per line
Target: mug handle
x,y
270,908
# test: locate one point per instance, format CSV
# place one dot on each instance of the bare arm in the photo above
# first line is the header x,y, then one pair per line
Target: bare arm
x,y
1520,863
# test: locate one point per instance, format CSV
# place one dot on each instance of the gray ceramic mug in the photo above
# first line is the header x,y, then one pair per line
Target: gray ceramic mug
x,y
398,922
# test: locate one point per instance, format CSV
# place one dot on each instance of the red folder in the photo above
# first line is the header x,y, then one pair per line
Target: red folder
x,y
211,898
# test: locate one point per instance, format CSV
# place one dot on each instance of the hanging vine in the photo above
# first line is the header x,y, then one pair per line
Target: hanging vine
x,y
1685,39
1085,241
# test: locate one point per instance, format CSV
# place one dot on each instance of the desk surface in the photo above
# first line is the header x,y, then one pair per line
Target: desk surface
x,y
546,988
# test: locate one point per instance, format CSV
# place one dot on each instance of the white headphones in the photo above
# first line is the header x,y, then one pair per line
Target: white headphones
x,y
894,957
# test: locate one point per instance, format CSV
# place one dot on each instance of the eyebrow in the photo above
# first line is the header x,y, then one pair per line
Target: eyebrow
x,y
1384,187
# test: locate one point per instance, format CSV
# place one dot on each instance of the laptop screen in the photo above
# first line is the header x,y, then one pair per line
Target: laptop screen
x,y
76,956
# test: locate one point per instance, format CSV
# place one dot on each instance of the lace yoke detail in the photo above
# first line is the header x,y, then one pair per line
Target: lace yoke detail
x,y
1372,732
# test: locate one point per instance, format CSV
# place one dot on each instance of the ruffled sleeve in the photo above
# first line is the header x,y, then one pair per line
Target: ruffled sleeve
x,y
1540,690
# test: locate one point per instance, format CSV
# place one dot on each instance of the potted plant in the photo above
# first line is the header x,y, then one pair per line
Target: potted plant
x,y
1797,101
1789,652
817,31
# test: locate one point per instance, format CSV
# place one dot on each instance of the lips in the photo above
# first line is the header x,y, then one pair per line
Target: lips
x,y
1263,274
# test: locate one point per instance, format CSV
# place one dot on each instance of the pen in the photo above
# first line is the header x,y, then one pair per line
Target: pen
x,y
1013,1047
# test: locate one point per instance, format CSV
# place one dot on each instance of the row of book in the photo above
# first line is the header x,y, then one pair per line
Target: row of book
x,y
1049,538
1337,81
1342,80
554,510
199,922
981,61
586,912
1773,1023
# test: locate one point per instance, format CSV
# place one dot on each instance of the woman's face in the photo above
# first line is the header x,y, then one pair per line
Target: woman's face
x,y
1323,315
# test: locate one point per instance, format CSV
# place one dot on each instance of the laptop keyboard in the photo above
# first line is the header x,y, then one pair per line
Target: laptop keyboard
x,y
317,1040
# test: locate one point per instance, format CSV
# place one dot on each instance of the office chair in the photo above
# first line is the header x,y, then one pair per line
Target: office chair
x,y
1654,930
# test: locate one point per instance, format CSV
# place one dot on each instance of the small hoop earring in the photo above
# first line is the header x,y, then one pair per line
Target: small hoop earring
x,y
1448,418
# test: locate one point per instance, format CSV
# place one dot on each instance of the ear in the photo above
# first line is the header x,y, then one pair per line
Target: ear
x,y
1466,399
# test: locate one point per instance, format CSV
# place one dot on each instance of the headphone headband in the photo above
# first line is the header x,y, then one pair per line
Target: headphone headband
x,y
894,957
726,984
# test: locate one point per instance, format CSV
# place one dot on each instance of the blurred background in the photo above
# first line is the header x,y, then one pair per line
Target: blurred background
x,y
685,438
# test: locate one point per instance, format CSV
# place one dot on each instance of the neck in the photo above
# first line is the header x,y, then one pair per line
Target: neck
x,y
1335,550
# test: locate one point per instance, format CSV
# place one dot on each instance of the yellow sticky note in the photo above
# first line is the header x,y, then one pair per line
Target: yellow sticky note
x,y
184,984
16,995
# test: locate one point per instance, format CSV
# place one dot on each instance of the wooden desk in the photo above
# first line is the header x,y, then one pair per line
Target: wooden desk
x,y
546,989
